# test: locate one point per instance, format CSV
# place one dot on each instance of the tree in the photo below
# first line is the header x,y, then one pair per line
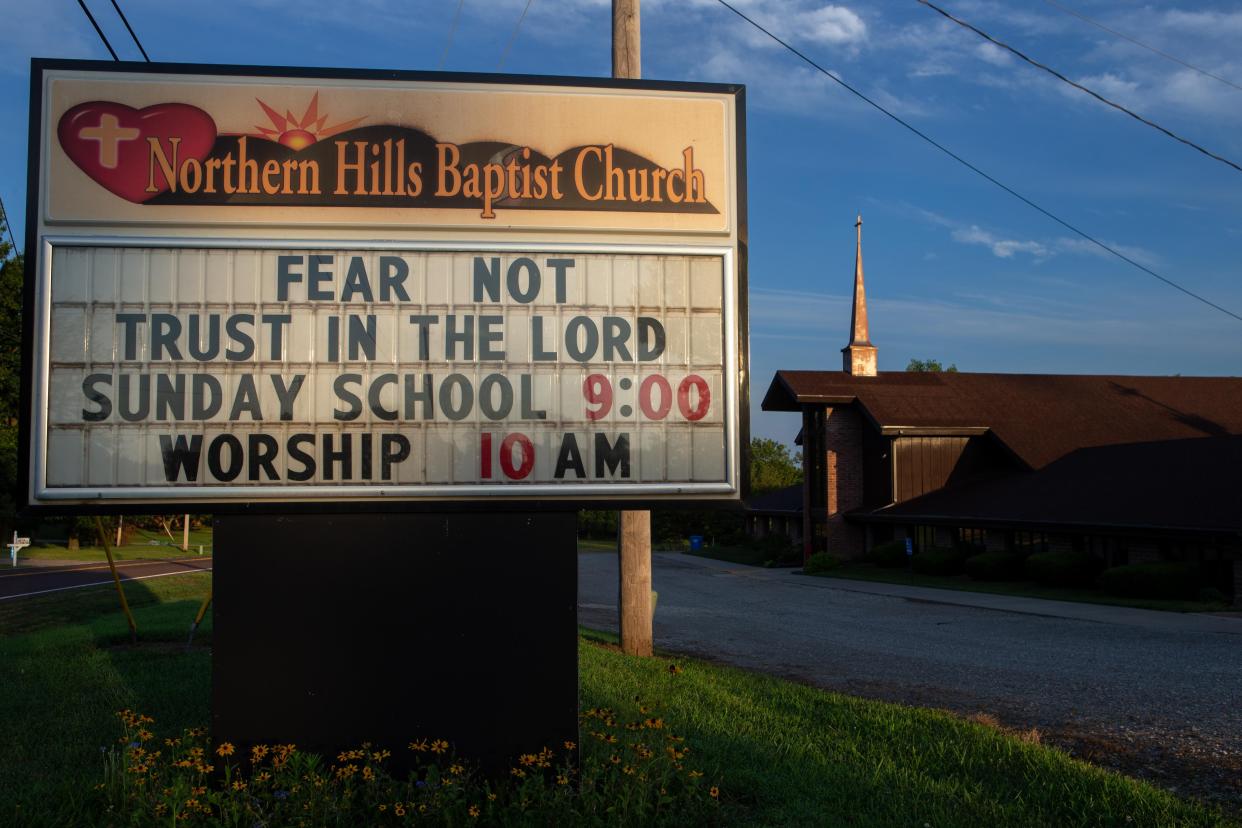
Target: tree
x,y
930,366
772,466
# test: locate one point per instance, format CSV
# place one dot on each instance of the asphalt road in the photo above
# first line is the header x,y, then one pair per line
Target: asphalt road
x,y
1158,695
32,578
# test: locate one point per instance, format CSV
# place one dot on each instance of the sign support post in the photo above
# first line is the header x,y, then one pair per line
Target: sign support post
x,y
635,612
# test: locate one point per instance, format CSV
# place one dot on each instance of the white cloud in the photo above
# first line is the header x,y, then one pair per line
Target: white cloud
x,y
993,54
1079,245
831,25
975,321
1005,248
1001,248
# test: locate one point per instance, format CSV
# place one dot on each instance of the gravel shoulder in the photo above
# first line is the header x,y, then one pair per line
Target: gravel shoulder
x,y
1155,697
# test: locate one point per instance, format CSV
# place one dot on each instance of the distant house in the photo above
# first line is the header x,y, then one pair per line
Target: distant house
x,y
778,512
1131,468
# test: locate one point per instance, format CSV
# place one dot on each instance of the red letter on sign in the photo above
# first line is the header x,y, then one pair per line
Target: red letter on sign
x,y
485,455
506,456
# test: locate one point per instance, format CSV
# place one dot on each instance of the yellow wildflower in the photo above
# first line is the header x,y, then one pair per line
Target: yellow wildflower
x,y
570,745
226,749
473,810
715,792
439,746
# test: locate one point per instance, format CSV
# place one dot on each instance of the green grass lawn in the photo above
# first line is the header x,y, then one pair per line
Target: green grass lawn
x,y
785,754
1025,589
144,544
597,545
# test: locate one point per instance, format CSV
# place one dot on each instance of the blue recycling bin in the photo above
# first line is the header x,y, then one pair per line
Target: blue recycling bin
x,y
696,543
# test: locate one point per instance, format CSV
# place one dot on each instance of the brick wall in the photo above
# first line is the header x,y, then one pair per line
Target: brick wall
x,y
843,443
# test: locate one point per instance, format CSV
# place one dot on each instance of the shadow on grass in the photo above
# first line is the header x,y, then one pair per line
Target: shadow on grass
x,y
68,672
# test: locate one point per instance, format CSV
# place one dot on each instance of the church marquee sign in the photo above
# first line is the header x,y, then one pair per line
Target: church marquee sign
x,y
253,285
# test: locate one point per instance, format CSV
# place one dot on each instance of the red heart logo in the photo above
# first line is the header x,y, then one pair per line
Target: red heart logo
x,y
110,142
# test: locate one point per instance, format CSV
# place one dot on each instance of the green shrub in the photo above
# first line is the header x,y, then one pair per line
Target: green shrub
x,y
1063,568
778,550
820,563
891,554
939,561
1212,595
994,566
1159,579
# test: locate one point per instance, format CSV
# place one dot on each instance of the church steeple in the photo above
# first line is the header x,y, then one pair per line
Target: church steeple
x,y
859,357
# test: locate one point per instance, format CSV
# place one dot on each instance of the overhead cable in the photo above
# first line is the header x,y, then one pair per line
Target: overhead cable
x,y
1080,87
448,44
959,159
513,37
4,214
1141,44
130,29
98,30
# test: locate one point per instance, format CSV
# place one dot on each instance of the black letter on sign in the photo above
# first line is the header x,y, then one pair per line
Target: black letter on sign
x,y
96,396
348,397
247,399
296,453
232,327
393,273
287,393
569,457
648,325
486,279
179,455
129,414
263,451
612,456
394,448
235,458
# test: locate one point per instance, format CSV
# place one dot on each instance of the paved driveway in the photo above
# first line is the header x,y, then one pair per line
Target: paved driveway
x,y
1155,694
33,578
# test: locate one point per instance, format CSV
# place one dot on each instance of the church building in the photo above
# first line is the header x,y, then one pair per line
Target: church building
x,y
1130,468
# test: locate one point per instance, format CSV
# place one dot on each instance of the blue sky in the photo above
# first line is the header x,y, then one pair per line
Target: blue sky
x,y
957,270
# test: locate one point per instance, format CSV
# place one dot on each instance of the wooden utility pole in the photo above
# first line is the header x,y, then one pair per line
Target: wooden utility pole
x,y
185,533
634,527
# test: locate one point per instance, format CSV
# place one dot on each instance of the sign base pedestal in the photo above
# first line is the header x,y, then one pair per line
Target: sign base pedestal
x,y
333,630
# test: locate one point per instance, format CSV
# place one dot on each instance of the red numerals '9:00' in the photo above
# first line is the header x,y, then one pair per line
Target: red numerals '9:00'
x,y
655,397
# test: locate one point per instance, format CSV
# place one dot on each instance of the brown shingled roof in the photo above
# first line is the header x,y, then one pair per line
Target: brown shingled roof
x,y
1039,417
1177,485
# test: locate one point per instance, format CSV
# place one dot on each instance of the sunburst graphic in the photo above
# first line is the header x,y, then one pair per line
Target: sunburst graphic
x,y
300,133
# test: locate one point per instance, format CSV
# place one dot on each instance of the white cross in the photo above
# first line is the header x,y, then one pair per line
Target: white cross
x,y
109,134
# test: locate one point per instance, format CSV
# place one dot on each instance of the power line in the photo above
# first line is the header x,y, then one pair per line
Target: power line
x,y
448,44
513,37
98,30
1080,87
4,214
130,29
1140,43
959,159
